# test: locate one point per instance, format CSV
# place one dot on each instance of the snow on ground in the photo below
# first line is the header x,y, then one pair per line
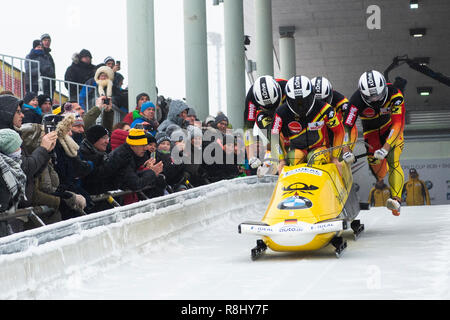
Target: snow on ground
x,y
406,257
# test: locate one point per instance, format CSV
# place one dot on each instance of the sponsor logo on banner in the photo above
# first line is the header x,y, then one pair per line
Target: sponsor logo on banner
x,y
251,112
368,113
351,118
295,127
277,123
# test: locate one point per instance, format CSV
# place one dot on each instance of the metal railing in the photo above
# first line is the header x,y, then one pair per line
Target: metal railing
x,y
60,87
20,75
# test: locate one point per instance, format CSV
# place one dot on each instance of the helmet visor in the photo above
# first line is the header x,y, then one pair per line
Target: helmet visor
x,y
301,106
376,97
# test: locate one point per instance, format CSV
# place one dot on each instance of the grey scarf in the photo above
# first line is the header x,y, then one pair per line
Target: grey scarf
x,y
13,175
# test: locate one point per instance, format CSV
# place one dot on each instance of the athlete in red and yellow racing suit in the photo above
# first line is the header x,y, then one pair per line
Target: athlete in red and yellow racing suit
x,y
382,129
308,133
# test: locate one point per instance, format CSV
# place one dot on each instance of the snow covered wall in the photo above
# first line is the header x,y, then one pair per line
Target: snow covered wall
x,y
41,256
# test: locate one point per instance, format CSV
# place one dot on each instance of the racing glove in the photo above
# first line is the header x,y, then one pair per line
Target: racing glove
x,y
349,157
380,154
254,163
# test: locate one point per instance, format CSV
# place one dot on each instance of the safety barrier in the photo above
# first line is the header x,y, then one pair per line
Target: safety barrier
x,y
16,75
60,86
41,256
20,75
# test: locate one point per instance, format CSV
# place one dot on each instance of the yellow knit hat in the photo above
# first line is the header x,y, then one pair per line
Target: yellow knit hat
x,y
137,137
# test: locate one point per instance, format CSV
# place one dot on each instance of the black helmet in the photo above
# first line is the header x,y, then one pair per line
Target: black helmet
x,y
300,96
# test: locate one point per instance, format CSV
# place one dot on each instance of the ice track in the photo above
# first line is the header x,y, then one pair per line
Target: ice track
x,y
406,257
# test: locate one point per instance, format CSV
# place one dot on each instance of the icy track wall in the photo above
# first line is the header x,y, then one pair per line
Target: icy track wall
x,y
41,256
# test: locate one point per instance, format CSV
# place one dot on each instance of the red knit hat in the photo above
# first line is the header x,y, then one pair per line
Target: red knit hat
x,y
118,137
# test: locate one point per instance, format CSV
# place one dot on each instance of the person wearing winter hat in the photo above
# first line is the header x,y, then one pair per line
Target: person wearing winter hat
x,y
163,142
98,136
47,66
94,148
191,116
118,137
45,36
80,71
178,110
147,118
78,129
140,100
31,111
10,142
209,121
221,123
109,62
32,69
137,138
85,56
126,160
45,103
104,77
12,178
11,115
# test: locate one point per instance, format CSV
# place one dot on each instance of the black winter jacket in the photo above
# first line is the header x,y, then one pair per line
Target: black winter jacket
x,y
100,180
125,164
78,72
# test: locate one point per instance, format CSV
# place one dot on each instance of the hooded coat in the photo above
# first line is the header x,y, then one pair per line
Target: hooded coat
x,y
173,117
78,72
8,107
32,164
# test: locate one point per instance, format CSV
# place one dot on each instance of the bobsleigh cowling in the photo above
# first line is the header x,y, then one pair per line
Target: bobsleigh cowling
x,y
311,205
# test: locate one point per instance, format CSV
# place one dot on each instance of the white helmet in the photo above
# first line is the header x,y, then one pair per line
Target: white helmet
x,y
267,92
322,88
300,96
373,88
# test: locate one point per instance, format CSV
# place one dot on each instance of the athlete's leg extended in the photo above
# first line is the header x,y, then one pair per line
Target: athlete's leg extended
x,y
378,168
396,175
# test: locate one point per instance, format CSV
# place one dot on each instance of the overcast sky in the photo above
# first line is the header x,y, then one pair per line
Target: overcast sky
x,y
101,27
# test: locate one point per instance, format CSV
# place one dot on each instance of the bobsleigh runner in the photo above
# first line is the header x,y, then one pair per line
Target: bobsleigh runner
x,y
311,206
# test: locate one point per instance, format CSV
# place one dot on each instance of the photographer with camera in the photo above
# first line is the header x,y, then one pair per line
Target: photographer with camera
x,y
69,167
103,107
11,117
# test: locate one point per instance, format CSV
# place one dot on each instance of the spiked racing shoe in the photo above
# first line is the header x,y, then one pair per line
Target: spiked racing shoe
x,y
394,206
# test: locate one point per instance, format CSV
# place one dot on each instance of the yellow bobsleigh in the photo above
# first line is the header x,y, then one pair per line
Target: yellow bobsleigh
x,y
311,205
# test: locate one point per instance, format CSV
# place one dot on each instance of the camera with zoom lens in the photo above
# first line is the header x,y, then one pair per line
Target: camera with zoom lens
x,y
50,121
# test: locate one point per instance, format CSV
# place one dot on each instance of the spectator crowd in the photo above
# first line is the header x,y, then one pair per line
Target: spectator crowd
x,y
65,156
